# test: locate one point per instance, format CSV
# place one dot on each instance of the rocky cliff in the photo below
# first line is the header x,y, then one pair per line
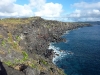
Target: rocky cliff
x,y
24,45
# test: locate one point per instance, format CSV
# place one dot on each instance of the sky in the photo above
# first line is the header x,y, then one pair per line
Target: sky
x,y
64,10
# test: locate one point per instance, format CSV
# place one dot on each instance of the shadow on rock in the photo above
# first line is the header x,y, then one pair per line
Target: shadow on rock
x,y
2,69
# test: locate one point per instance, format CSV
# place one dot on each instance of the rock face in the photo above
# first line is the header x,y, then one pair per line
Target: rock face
x,y
30,71
24,48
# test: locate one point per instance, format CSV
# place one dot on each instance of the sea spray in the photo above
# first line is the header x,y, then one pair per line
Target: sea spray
x,y
59,54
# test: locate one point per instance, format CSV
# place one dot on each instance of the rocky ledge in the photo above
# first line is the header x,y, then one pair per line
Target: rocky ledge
x,y
24,45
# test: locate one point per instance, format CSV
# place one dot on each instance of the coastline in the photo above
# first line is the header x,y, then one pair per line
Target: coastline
x,y
83,49
34,38
58,53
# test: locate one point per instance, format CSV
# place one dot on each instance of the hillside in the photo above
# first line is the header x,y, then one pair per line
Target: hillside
x,y
24,45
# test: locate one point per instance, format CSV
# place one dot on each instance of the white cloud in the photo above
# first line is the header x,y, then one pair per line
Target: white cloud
x,y
3,2
84,5
50,10
37,3
85,12
8,8
22,11
6,5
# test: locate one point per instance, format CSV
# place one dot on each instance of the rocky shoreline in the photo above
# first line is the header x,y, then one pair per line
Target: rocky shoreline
x,y
24,45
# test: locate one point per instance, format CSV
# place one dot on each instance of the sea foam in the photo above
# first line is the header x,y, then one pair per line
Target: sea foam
x,y
59,54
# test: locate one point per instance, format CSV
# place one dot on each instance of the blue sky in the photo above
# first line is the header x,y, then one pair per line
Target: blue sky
x,y
66,3
68,10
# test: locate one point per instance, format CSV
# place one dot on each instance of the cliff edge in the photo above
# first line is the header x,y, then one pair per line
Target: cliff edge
x,y
24,45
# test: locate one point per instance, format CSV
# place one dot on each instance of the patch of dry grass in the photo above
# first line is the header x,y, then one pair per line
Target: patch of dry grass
x,y
2,52
13,22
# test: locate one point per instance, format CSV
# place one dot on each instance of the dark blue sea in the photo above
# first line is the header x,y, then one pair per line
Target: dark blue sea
x,y
80,54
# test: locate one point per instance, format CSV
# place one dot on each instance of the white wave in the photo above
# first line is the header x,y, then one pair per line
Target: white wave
x,y
59,54
67,32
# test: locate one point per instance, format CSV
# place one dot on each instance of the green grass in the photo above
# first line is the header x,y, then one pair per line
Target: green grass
x,y
3,43
25,56
9,63
14,44
43,62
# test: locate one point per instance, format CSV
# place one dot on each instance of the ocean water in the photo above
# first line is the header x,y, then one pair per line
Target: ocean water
x,y
80,54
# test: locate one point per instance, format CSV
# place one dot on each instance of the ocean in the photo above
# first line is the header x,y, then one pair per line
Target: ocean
x,y
80,54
